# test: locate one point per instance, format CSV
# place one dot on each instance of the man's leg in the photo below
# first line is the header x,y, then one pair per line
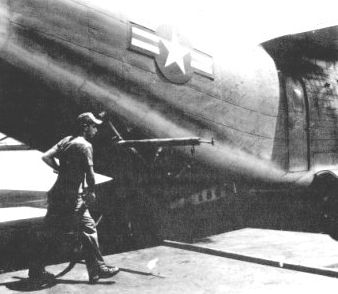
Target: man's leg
x,y
39,249
94,261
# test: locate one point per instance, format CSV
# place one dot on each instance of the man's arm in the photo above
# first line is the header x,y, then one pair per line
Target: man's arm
x,y
90,196
90,179
49,158
90,176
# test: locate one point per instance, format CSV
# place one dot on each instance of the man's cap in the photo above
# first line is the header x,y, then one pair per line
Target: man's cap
x,y
88,118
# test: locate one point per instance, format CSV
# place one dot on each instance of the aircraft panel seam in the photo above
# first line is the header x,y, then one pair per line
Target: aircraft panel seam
x,y
232,103
228,126
124,62
101,11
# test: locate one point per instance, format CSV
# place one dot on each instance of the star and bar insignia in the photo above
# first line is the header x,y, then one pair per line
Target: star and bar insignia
x,y
174,56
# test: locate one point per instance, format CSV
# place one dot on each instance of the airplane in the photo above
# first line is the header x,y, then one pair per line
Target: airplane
x,y
201,136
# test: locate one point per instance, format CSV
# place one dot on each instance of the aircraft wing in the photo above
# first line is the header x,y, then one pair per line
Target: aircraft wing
x,y
297,54
25,180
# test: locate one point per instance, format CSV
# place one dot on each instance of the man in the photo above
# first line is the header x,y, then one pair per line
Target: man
x,y
67,211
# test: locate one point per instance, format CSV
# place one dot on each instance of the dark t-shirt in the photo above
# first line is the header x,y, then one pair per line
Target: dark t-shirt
x,y
75,156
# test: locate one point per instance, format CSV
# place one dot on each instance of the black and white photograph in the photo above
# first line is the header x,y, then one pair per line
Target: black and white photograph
x,y
165,146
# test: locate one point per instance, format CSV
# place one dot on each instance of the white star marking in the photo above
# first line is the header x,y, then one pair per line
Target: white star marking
x,y
176,52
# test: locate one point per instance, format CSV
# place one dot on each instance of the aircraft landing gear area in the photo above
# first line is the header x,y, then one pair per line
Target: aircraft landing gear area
x,y
243,261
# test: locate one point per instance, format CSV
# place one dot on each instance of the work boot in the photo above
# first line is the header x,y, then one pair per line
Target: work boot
x,y
40,277
104,272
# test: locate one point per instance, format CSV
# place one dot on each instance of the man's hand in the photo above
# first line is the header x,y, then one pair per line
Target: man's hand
x,y
89,197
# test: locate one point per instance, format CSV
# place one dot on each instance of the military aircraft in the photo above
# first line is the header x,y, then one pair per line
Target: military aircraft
x,y
208,127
